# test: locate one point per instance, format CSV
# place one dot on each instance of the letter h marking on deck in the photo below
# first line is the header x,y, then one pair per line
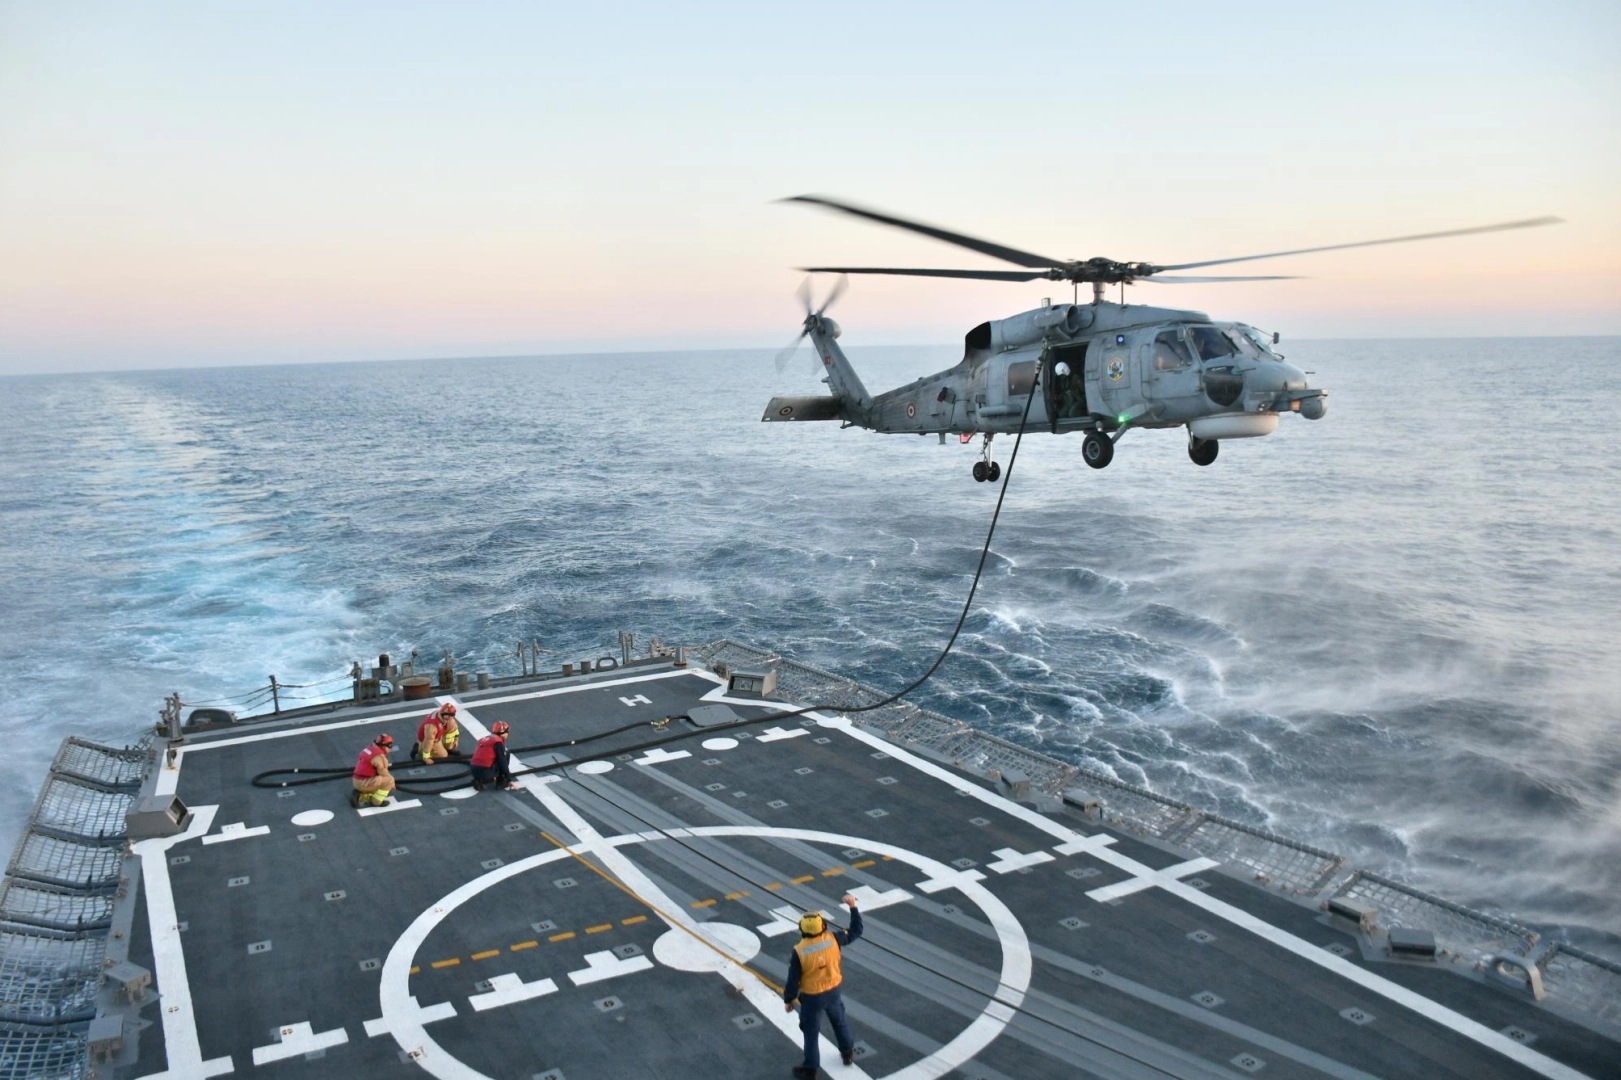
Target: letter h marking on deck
x,y
639,699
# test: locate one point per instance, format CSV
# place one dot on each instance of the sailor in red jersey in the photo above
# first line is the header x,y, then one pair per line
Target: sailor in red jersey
x,y
490,760
437,735
373,783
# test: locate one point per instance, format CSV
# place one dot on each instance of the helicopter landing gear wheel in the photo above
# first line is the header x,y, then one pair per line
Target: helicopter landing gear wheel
x,y
986,469
981,473
1097,451
1203,451
994,473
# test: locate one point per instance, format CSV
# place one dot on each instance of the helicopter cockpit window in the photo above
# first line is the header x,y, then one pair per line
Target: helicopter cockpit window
x,y
1170,353
1246,344
1211,343
1260,340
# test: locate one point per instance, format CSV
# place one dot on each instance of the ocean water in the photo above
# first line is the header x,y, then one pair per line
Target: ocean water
x,y
1391,632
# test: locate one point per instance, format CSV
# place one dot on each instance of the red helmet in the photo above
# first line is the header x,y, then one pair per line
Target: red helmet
x,y
385,739
500,727
448,709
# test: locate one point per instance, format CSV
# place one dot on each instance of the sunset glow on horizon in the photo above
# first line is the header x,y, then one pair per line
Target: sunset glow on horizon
x,y
258,183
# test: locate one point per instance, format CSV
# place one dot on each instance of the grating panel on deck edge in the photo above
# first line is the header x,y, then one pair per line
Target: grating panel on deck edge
x,y
29,1052
72,806
1573,975
35,904
48,977
64,862
113,768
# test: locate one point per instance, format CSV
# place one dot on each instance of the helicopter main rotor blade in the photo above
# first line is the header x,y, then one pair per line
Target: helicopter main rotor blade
x,y
804,294
983,275
1185,280
1529,223
984,247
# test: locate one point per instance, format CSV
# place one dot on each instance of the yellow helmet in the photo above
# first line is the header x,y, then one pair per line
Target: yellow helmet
x,y
811,924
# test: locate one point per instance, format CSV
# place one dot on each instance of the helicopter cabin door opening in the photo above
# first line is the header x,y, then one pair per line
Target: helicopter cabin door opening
x,y
1065,391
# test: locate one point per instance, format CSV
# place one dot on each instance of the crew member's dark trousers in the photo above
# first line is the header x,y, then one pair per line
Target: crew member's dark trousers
x,y
491,777
811,1008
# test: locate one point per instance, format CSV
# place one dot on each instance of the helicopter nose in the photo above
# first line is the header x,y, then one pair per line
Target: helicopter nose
x,y
1277,377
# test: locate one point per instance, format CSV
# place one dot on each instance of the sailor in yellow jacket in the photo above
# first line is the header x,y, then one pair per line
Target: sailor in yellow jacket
x,y
814,978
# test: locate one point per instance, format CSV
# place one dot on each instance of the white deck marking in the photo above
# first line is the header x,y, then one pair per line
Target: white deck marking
x,y
639,699
388,808
1089,845
950,878
594,768
236,831
658,755
777,734
423,1014
870,899
720,744
783,920
1008,860
297,1040
180,1044
168,777
1432,1010
605,965
509,990
1150,880
312,817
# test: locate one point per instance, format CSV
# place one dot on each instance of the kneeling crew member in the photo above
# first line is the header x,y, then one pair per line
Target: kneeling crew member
x,y
437,734
490,759
373,783
814,978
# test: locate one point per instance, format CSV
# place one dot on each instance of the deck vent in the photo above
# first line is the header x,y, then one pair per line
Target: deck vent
x,y
130,981
1357,911
1407,941
157,815
1016,784
106,1038
753,683
708,716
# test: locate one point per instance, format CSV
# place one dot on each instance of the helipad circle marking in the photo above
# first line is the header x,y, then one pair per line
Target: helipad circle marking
x,y
732,944
459,793
720,744
594,768
313,817
402,1014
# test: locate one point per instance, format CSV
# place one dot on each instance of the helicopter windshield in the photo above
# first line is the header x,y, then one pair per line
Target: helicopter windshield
x,y
1246,344
1211,343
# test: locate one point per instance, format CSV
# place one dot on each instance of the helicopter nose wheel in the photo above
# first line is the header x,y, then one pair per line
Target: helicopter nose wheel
x,y
986,469
1097,451
1203,451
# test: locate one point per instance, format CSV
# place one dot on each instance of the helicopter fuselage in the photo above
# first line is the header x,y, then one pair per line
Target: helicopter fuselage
x,y
1097,368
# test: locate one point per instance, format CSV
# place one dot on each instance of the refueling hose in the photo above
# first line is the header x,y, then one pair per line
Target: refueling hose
x,y
463,779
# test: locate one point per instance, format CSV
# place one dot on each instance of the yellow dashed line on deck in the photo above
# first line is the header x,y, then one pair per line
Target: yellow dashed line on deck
x,y
704,903
452,962
415,970
633,920
523,945
486,954
599,929
774,886
564,936
835,870
736,895
802,880
863,864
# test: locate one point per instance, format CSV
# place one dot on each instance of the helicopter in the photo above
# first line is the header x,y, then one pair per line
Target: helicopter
x,y
1101,369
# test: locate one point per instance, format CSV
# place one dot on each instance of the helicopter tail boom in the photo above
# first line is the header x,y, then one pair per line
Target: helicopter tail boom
x,y
841,377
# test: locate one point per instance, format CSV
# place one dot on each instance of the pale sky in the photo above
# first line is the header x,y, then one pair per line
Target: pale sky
x,y
207,183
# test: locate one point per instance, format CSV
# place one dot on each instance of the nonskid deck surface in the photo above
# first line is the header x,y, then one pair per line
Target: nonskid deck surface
x,y
631,917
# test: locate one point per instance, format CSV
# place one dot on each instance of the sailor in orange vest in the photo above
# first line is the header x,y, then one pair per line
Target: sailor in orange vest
x,y
489,764
373,784
437,735
814,978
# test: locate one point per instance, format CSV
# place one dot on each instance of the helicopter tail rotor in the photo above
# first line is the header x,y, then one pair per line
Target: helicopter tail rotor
x,y
812,317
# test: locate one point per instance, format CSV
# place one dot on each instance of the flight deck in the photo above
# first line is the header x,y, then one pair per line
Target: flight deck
x,y
630,910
